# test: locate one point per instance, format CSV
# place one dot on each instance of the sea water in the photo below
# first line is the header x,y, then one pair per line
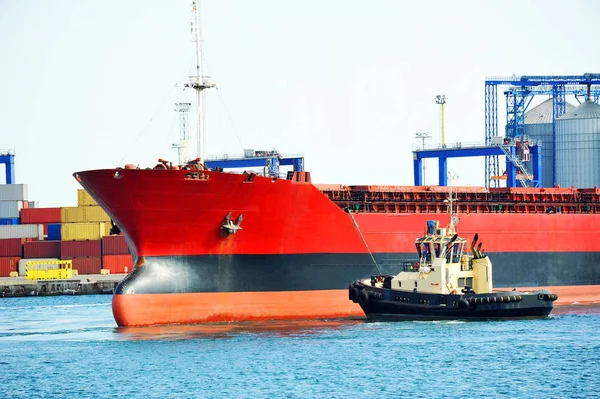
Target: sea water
x,y
70,347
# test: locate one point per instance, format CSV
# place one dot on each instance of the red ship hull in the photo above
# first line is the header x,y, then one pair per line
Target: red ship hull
x,y
295,243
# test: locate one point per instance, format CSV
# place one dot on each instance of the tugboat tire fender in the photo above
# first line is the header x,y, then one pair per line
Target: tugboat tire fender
x,y
463,304
472,305
550,297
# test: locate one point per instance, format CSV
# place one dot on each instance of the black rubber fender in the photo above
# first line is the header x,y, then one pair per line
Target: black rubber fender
x,y
363,297
463,304
355,293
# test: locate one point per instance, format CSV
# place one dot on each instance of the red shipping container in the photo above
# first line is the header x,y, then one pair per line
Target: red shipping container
x,y
117,264
40,215
41,249
114,245
81,249
11,247
87,265
8,265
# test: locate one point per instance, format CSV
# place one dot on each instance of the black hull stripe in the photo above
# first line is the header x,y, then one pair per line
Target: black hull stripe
x,y
251,273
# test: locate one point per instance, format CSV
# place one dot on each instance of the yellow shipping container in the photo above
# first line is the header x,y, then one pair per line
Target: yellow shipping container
x,y
83,214
84,199
84,231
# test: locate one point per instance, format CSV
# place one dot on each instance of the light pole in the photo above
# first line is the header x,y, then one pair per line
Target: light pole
x,y
423,136
441,99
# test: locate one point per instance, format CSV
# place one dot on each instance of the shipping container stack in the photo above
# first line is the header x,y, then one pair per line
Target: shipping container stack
x,y
14,231
115,255
83,232
80,234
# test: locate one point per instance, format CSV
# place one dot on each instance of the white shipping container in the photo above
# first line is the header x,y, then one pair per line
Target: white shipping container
x,y
13,192
22,262
10,209
22,231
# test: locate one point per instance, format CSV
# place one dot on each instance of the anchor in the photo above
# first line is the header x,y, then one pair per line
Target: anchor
x,y
230,226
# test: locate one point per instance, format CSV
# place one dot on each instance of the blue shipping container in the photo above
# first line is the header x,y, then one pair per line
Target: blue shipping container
x,y
6,222
54,232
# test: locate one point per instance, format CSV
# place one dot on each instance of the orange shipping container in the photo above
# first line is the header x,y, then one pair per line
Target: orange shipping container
x,y
117,264
8,265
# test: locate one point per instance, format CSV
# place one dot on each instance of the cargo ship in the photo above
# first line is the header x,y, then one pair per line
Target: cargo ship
x,y
213,246
217,246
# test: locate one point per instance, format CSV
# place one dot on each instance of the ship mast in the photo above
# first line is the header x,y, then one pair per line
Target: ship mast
x,y
199,82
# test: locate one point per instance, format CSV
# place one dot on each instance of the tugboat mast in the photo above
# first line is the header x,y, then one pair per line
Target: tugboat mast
x,y
453,218
199,82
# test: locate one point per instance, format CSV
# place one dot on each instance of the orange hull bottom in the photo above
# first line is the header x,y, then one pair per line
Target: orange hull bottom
x,y
569,294
154,309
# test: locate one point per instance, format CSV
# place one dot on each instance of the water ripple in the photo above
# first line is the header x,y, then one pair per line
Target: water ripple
x,y
69,346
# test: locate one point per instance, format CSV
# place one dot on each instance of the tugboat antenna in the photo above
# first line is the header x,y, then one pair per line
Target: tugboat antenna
x,y
451,178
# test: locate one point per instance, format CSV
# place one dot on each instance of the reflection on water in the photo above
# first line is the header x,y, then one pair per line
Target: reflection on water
x,y
289,328
579,309
229,330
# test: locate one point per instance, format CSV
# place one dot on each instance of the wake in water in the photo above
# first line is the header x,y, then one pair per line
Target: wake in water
x,y
87,305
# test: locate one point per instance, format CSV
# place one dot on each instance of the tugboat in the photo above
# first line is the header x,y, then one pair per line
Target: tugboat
x,y
445,283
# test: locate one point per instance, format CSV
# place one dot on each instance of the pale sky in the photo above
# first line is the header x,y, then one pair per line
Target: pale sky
x,y
90,84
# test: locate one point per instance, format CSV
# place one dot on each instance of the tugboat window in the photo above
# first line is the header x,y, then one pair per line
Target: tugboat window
x,y
461,282
426,252
457,252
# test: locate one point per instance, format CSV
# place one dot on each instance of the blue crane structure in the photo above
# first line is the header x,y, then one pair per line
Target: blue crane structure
x,y
515,171
518,97
7,157
270,161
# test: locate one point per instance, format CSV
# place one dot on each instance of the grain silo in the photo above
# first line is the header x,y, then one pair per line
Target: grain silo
x,y
578,147
538,126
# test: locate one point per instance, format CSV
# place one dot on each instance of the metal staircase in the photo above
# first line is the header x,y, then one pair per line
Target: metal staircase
x,y
518,163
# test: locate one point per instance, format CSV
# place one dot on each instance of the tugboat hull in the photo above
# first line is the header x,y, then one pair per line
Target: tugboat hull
x,y
386,304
